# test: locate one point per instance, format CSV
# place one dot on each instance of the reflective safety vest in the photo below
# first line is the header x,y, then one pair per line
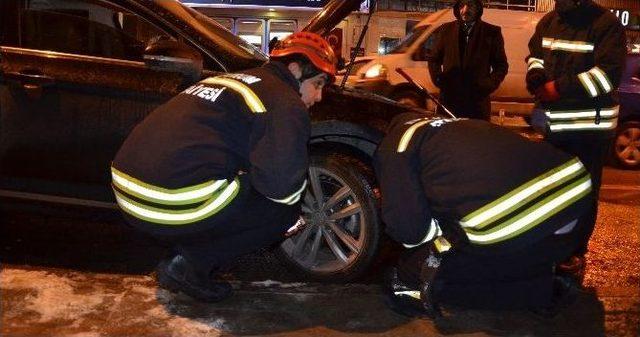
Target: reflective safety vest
x,y
180,165
488,185
584,53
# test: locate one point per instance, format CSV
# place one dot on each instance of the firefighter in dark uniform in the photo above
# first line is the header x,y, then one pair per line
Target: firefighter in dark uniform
x,y
219,169
577,55
485,214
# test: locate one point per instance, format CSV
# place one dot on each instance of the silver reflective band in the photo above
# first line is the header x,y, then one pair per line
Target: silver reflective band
x,y
535,63
406,137
602,78
434,230
161,195
177,217
512,201
585,79
582,114
552,206
293,198
412,293
574,46
604,125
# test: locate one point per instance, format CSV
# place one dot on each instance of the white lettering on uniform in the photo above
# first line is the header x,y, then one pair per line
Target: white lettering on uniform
x,y
204,92
248,79
213,97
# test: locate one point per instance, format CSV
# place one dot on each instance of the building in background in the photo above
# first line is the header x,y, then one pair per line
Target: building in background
x,y
260,21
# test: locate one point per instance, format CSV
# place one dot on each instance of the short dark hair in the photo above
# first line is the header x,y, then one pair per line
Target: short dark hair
x,y
308,69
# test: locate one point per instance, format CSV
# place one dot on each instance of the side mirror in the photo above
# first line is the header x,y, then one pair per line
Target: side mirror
x,y
172,56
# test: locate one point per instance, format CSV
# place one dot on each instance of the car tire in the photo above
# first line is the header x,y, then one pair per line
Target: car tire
x,y
626,146
343,232
410,98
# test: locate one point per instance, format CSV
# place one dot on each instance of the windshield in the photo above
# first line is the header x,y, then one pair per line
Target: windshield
x,y
230,49
211,24
408,40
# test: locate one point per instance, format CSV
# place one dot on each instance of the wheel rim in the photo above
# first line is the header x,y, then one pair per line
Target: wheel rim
x,y
628,146
334,236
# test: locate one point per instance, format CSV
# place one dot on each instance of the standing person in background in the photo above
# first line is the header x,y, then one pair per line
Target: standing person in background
x,y
468,61
577,56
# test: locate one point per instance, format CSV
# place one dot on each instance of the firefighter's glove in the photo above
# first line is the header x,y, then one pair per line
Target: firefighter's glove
x,y
535,79
548,92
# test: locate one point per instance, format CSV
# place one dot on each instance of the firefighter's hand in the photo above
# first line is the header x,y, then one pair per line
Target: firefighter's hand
x,y
535,79
548,92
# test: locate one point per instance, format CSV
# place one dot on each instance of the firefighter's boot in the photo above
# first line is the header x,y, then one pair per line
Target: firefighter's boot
x,y
177,275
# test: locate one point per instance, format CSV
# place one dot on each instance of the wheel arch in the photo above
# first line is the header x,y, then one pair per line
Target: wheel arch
x,y
345,137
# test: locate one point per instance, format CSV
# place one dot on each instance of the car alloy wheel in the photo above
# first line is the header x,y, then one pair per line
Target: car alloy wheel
x,y
342,232
627,145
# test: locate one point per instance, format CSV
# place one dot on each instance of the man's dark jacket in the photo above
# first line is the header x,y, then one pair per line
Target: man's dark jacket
x,y
467,79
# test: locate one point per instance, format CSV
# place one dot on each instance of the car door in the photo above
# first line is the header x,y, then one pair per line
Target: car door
x,y
73,85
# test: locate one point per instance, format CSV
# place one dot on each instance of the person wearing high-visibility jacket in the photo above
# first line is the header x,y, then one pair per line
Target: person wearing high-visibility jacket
x,y
577,55
484,213
218,171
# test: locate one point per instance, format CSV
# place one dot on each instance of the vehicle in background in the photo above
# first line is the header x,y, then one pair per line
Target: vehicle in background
x,y
511,98
625,149
358,63
77,75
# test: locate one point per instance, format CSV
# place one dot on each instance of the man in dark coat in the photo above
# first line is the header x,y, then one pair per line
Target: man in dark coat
x,y
468,71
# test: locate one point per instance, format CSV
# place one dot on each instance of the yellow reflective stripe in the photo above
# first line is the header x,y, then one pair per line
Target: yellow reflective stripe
x,y
534,215
159,195
535,63
408,133
582,114
574,46
178,217
581,125
293,198
434,230
523,194
252,100
588,85
602,78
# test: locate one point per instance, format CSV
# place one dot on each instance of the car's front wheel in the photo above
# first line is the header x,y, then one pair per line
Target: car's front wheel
x,y
342,234
626,147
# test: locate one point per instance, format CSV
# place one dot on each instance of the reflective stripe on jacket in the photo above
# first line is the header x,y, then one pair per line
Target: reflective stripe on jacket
x,y
172,206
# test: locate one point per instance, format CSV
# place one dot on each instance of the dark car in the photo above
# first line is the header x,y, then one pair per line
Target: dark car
x,y
77,75
626,145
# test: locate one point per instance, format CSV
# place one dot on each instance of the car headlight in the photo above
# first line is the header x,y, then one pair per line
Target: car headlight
x,y
377,70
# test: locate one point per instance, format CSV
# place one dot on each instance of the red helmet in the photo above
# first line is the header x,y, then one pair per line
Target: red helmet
x,y
311,45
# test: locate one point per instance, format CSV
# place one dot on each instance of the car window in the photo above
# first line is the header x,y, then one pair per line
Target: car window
x,y
86,27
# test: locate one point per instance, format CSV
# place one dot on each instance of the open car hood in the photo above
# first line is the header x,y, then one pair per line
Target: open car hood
x,y
331,15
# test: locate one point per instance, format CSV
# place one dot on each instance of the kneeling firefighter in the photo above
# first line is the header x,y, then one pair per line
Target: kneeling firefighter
x,y
218,171
485,214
